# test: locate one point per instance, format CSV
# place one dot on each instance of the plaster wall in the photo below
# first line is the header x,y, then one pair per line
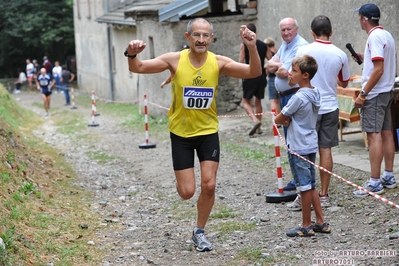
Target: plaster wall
x,y
125,82
91,45
92,54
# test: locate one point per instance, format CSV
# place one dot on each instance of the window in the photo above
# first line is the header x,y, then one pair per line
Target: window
x,y
113,65
151,46
88,10
78,8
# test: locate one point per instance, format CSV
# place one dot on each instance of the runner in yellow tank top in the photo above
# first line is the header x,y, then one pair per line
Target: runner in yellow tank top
x,y
193,121
194,90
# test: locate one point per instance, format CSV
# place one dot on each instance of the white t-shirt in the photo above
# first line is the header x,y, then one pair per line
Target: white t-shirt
x,y
22,77
29,69
57,70
380,45
332,64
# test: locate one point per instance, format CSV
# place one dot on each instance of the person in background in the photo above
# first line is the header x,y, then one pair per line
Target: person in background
x,y
254,88
274,98
29,73
57,71
300,116
280,64
45,83
333,69
375,99
21,79
66,78
193,121
47,65
36,68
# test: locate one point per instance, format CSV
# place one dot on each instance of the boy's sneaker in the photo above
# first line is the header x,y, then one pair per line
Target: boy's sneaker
x,y
325,201
200,242
377,189
388,181
290,186
296,205
259,130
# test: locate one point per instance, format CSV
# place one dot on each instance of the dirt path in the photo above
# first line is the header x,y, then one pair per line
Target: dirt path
x,y
144,221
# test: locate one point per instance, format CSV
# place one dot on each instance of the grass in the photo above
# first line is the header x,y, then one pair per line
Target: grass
x,y
259,154
133,119
39,216
222,213
233,225
69,124
183,209
100,157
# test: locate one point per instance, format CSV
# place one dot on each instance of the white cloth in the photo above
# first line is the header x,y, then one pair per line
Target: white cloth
x,y
57,70
380,45
29,69
22,77
332,64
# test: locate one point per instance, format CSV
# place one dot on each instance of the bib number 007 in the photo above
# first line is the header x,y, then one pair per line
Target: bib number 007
x,y
197,97
199,103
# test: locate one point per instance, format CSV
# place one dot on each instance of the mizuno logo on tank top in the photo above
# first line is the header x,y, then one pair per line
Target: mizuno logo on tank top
x,y
197,97
198,92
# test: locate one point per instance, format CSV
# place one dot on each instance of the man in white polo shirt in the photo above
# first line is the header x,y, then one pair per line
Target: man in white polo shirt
x,y
333,68
375,99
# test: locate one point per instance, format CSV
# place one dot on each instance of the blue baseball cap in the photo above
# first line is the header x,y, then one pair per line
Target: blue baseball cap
x,y
370,11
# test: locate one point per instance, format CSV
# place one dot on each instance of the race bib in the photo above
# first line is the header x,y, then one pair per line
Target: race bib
x,y
197,97
43,82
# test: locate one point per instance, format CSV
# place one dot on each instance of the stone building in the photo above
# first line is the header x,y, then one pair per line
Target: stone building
x,y
102,33
103,29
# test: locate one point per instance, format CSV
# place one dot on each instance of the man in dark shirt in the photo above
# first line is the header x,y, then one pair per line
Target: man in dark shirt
x,y
254,87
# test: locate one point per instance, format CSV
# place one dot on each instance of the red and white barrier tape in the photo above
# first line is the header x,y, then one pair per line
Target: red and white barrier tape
x,y
335,175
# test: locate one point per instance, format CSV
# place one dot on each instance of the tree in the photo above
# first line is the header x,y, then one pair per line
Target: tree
x,y
32,29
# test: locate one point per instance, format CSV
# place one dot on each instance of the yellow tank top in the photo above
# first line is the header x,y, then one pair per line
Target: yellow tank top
x,y
194,91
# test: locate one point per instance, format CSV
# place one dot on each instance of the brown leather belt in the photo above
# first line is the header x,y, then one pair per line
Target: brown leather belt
x,y
285,93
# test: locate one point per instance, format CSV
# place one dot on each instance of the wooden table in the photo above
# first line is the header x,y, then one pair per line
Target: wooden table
x,y
348,111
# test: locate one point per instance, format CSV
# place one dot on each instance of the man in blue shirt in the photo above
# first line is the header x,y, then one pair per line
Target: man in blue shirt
x,y
281,62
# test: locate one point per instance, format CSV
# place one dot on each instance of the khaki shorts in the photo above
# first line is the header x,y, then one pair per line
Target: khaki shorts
x,y
376,113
